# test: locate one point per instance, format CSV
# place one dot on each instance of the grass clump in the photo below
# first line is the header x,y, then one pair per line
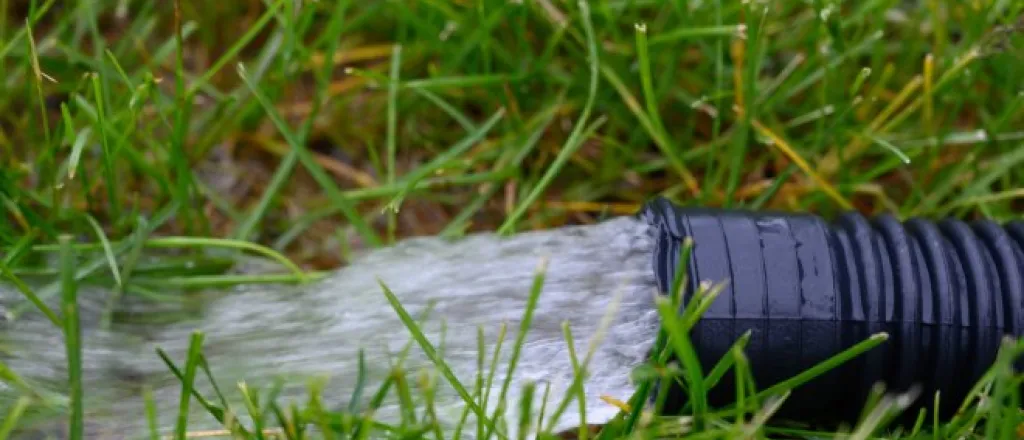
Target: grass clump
x,y
164,138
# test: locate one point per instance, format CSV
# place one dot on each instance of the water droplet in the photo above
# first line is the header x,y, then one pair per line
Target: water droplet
x,y
449,28
825,12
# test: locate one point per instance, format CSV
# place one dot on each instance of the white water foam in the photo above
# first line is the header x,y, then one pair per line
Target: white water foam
x,y
258,333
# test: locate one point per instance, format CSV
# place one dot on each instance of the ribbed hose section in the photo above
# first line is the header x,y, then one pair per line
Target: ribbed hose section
x,y
947,292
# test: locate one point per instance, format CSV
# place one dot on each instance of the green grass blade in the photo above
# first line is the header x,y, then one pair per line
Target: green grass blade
x,y
72,338
431,353
724,31
109,156
679,339
151,414
31,296
483,426
250,397
646,81
726,362
188,384
202,242
595,341
391,138
526,410
456,81
12,417
577,371
108,251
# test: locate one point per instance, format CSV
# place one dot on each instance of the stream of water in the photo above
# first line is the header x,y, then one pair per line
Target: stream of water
x,y
261,332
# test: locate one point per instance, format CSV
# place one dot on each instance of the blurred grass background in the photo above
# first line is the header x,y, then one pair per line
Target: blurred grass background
x,y
317,127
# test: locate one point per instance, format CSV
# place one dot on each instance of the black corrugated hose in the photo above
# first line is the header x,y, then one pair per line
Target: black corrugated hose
x,y
946,291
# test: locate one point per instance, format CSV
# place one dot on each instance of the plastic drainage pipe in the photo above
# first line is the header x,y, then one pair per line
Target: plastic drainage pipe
x,y
947,292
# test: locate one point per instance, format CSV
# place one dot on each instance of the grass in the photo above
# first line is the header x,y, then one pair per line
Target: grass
x,y
164,138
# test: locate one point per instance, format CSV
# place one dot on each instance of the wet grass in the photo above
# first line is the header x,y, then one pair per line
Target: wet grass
x,y
164,138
